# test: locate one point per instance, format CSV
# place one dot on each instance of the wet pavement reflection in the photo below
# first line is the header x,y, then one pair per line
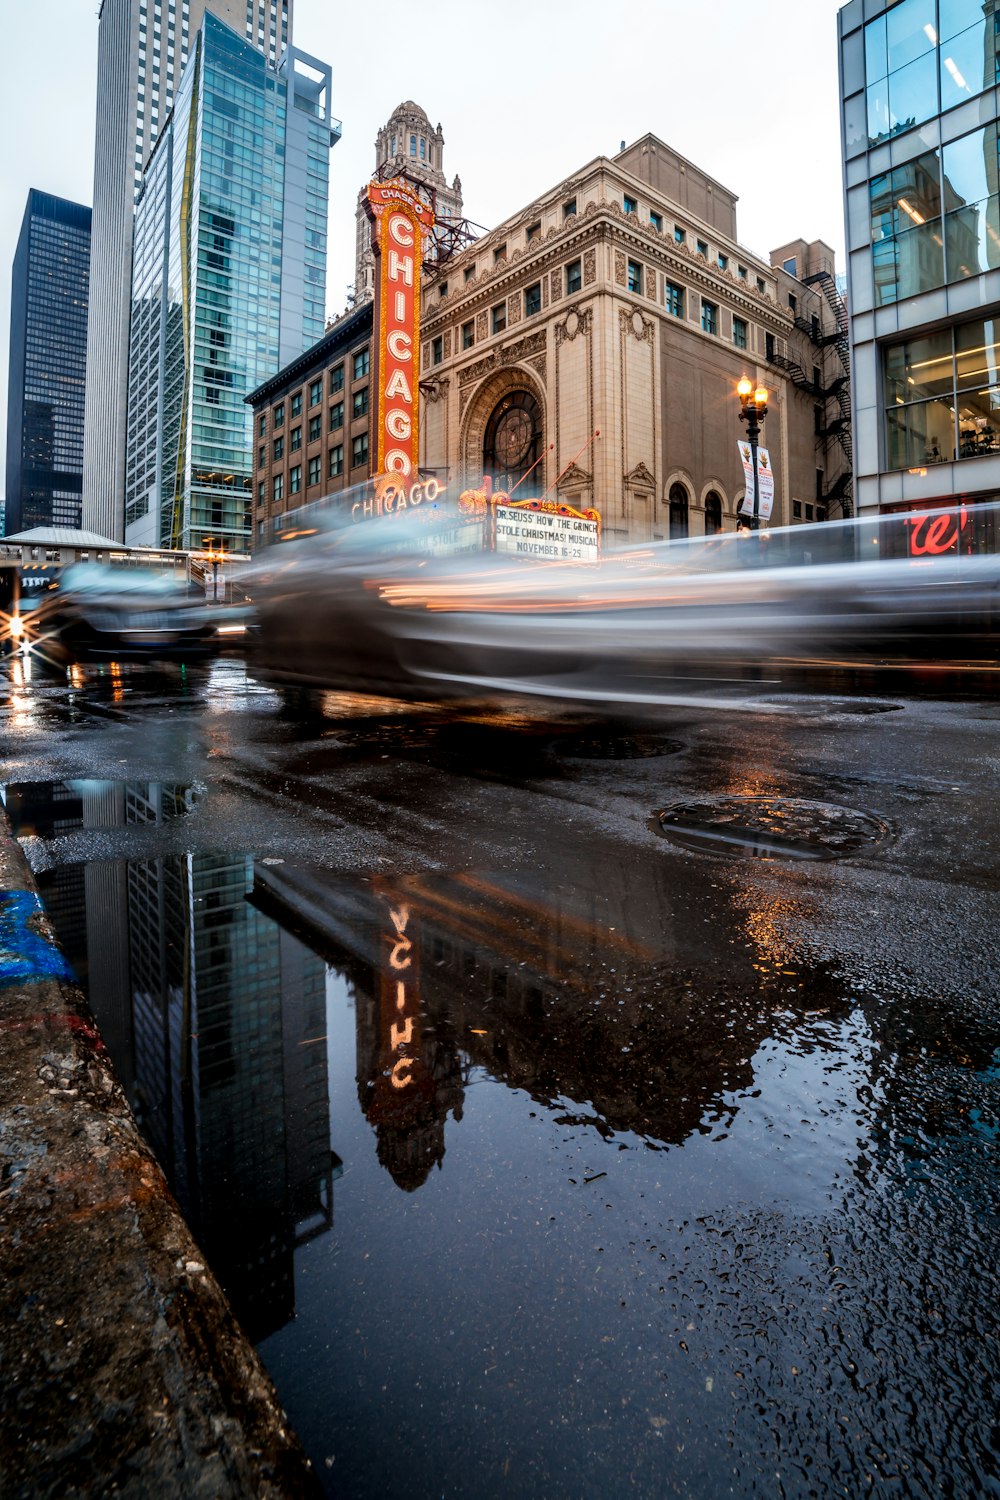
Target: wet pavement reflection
x,y
557,1182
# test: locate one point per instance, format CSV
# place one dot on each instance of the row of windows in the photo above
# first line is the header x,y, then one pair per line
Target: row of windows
x,y
359,408
942,396
335,467
361,365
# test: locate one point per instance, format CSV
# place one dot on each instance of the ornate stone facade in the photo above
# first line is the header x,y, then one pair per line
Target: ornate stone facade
x,y
622,317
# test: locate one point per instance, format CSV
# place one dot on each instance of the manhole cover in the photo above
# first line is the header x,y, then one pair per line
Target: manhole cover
x,y
771,827
617,747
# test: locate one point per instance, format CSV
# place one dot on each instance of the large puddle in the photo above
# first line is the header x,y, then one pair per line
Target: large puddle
x,y
543,1189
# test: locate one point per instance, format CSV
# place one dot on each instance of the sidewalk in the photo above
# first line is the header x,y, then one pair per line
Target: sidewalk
x,y
123,1369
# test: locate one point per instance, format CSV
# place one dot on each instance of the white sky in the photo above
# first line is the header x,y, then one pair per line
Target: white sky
x,y
526,91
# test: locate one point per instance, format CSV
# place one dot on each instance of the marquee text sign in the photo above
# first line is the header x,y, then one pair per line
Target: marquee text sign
x,y
547,531
400,222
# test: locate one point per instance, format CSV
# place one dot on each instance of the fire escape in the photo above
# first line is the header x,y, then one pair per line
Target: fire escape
x,y
838,391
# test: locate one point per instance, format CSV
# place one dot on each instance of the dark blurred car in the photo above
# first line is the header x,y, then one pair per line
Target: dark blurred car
x,y
377,608
95,612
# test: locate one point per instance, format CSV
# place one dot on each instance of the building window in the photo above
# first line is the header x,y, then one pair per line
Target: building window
x,y
315,428
278,487
261,457
574,276
740,333
533,299
443,289
569,208
760,284
939,396
499,317
793,302
295,479
533,232
260,493
316,392
279,414
723,262
680,235
279,448
314,470
296,407
789,266
468,334
359,451
336,460
633,276
361,364
336,416
262,426
499,254
709,317
336,379
678,511
437,350
675,300
629,204
702,247
359,405
656,221
769,346
295,440
469,272
713,513
797,510
413,145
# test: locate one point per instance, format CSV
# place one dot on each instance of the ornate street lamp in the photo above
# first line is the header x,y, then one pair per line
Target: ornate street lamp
x,y
753,410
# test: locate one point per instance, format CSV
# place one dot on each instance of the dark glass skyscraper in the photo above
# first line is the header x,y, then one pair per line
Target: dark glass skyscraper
x,y
48,363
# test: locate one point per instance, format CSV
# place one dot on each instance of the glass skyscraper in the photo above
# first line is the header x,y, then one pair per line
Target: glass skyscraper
x,y
919,88
48,356
229,278
142,48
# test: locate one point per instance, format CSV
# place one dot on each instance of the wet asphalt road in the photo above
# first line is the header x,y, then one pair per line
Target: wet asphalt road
x,y
666,1162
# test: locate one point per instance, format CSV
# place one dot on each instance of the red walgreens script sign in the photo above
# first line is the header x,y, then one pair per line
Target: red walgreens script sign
x,y
400,221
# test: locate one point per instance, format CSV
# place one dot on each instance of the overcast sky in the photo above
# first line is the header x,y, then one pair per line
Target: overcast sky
x,y
526,92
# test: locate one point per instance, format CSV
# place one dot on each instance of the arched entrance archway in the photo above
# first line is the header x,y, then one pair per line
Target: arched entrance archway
x,y
713,513
678,499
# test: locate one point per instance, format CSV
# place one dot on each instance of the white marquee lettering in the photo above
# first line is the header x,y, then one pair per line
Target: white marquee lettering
x,y
401,229
400,344
401,1073
400,307
398,462
398,385
398,424
400,267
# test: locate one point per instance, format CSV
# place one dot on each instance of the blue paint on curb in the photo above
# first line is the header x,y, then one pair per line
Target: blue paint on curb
x,y
25,953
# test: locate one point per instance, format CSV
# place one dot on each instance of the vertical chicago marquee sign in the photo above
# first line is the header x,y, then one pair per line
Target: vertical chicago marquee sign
x,y
400,221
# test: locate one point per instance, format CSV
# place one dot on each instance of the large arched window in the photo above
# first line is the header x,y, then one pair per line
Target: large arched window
x,y
713,513
512,443
678,511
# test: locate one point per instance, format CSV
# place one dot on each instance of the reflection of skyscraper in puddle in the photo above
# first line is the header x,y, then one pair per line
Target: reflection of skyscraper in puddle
x,y
612,992
231,1076
216,1021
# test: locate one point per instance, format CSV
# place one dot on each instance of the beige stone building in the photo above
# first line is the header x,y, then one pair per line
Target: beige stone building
x,y
622,304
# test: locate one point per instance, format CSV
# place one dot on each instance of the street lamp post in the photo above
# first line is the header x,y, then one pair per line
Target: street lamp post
x,y
753,410
216,554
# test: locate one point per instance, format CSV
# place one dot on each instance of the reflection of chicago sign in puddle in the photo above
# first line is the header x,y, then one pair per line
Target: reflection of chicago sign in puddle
x,y
402,1019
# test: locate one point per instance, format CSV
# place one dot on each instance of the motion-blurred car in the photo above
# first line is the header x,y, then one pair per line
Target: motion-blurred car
x,y
376,609
99,613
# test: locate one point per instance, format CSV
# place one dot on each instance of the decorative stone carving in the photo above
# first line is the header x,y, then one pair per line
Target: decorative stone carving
x,y
503,356
555,282
632,322
640,478
482,326
538,364
620,273
650,284
589,267
514,306
575,478
447,343
576,321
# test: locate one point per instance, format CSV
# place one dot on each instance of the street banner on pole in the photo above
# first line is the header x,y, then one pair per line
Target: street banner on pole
x,y
765,482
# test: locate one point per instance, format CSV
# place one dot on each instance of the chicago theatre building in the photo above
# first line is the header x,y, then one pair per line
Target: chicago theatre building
x,y
588,349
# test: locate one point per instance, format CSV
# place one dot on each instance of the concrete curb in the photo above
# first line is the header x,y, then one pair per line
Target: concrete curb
x,y
122,1367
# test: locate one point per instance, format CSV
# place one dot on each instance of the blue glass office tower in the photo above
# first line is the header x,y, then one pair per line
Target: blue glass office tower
x,y
48,360
228,283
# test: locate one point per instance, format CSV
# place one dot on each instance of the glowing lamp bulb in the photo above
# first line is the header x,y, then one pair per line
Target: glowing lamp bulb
x,y
744,387
760,396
